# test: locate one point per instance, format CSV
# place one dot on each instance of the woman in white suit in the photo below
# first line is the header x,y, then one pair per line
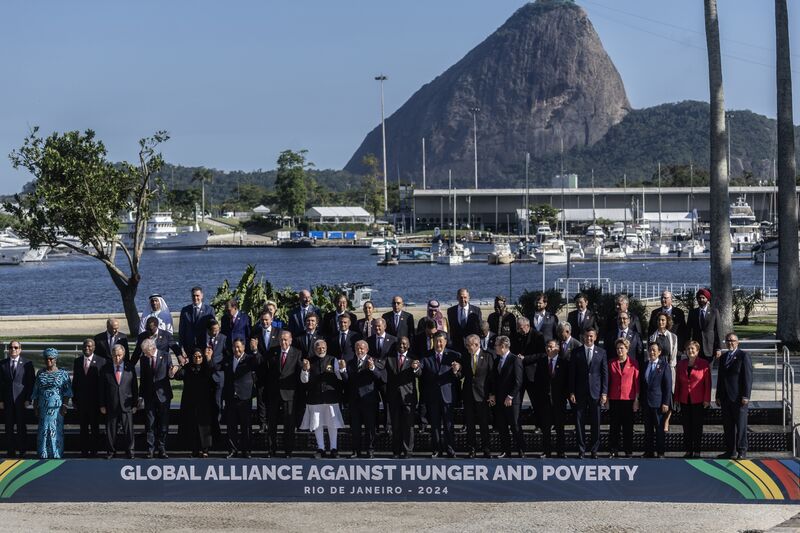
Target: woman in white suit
x,y
668,342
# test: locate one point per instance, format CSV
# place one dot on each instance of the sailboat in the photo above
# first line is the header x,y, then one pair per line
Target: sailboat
x,y
659,248
454,255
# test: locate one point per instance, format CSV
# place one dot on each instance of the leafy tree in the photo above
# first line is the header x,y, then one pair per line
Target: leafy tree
x,y
183,201
203,176
78,193
544,213
290,182
373,196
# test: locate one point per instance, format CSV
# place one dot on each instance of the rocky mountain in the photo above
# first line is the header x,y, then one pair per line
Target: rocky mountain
x,y
541,78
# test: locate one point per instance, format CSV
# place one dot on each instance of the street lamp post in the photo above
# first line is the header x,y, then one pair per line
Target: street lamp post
x,y
382,78
475,139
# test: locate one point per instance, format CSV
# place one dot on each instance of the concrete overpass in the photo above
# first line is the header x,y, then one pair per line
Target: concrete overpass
x,y
489,209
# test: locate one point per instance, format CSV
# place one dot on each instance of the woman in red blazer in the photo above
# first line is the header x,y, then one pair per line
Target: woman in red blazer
x,y
623,397
693,394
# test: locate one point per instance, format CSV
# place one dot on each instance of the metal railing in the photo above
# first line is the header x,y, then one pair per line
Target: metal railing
x,y
642,289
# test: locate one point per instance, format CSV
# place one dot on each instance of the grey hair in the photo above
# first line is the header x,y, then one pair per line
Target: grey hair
x,y
147,345
502,340
121,348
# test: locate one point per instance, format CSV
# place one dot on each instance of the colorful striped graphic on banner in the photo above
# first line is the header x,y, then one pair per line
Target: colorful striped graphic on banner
x,y
768,479
18,473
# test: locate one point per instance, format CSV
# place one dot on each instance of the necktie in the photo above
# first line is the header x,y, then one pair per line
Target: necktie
x,y
196,313
154,363
552,367
474,364
622,334
283,359
360,363
396,321
564,347
702,318
401,360
463,316
588,355
580,318
13,368
380,344
483,342
302,315
439,359
118,374
86,363
342,341
649,371
500,364
729,358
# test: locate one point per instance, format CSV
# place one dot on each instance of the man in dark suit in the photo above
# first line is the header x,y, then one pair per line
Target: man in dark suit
x,y
330,323
235,324
588,386
529,346
304,341
622,303
441,376
193,322
486,337
734,384
240,369
655,393
678,319
363,376
212,338
402,371
16,385
297,317
342,343
423,342
551,395
162,338
542,320
507,397
582,318
105,341
566,342
381,345
479,374
502,322
625,331
463,319
399,323
86,372
283,391
705,327
266,337
118,397
155,371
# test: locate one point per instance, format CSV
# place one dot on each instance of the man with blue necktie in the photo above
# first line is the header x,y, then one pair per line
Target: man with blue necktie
x,y
588,385
734,384
507,397
441,379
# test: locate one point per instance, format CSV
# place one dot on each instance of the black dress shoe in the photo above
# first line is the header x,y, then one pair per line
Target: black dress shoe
x,y
581,455
648,455
334,453
561,455
594,455
288,455
395,456
163,455
403,455
688,455
487,455
612,455
472,454
660,455
725,455
130,455
504,455
318,454
231,455
355,455
149,455
111,455
435,455
741,455
370,455
247,455
451,455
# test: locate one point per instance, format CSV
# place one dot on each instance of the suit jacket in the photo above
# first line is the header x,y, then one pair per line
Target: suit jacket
x,y
571,344
102,348
192,325
240,383
235,329
612,325
296,323
164,343
735,376
405,328
439,383
656,390
264,345
636,350
219,345
16,389
528,343
330,323
588,380
478,382
155,385
457,331
678,324
363,384
710,336
305,342
487,343
122,397
401,382
283,382
508,379
346,352
693,387
552,390
505,325
623,383
422,343
389,346
86,385
548,326
589,321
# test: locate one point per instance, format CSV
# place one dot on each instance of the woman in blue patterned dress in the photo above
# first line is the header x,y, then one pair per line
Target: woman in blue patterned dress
x,y
51,391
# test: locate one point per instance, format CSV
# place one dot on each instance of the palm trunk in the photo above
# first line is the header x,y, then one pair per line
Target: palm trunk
x,y
788,282
719,201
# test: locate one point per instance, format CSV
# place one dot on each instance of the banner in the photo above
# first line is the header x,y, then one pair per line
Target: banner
x,y
665,480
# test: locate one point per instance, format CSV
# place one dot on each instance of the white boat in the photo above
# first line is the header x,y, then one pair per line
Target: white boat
x,y
617,231
659,248
551,252
543,232
456,252
767,251
612,250
162,234
387,244
501,254
17,250
375,245
745,231
575,249
595,231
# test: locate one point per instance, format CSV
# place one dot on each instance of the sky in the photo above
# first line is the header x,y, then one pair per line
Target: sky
x,y
235,83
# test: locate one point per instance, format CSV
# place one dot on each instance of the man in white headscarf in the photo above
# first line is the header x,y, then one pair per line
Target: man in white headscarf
x,y
160,310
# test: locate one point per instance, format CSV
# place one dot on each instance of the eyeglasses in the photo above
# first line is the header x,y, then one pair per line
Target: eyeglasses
x,y
14,347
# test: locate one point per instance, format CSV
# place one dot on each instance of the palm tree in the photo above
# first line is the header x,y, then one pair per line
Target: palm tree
x,y
718,195
788,311
203,175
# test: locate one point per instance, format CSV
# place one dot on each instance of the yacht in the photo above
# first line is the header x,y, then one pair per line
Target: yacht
x,y
659,248
552,252
162,234
454,255
595,231
501,254
767,251
15,250
745,230
575,249
375,245
609,250
543,232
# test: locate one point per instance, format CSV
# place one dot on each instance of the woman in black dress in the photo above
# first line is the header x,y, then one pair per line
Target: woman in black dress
x,y
196,402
